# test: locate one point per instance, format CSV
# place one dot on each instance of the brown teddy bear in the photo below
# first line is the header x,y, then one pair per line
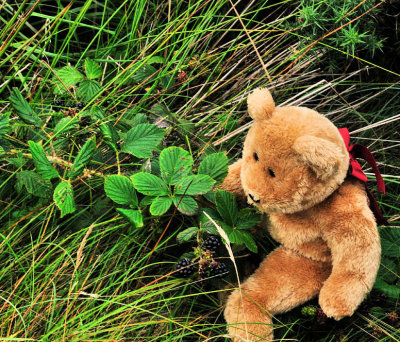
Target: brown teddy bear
x,y
294,168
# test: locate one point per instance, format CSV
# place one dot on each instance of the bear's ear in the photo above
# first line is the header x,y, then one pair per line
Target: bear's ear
x,y
321,155
260,104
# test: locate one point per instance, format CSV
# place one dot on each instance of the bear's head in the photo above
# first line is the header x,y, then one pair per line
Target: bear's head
x,y
293,157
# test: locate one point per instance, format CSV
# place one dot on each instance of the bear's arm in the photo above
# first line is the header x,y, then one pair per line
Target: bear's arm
x,y
353,239
232,181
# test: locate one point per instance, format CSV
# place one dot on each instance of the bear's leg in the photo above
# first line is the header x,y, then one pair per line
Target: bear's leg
x,y
283,280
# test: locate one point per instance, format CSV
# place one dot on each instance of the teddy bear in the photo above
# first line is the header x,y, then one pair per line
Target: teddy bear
x,y
294,168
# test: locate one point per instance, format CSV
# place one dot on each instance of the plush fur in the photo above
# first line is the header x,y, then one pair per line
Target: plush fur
x,y
294,168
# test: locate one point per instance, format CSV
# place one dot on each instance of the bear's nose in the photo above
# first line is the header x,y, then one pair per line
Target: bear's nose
x,y
254,200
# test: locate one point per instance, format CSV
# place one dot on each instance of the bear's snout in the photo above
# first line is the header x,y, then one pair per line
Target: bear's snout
x,y
253,199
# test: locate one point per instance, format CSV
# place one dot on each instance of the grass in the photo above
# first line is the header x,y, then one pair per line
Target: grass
x,y
92,276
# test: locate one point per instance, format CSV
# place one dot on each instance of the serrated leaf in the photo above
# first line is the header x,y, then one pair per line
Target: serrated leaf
x,y
65,125
4,123
139,118
96,113
248,240
156,59
160,205
194,185
120,189
133,216
392,291
187,234
185,204
210,196
88,89
34,184
63,197
92,69
145,73
175,163
142,139
389,248
66,78
42,164
23,109
83,157
149,184
248,220
388,271
215,165
227,207
205,222
167,81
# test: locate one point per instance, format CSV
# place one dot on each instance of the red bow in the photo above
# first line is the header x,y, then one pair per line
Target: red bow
x,y
360,151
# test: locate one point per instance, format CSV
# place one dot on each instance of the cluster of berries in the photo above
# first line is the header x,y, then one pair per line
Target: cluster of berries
x,y
207,266
78,106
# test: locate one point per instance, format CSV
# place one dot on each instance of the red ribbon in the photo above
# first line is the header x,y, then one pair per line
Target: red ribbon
x,y
360,151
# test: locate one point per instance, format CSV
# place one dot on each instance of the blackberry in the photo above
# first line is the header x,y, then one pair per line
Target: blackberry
x,y
184,268
80,105
218,269
58,103
212,243
71,105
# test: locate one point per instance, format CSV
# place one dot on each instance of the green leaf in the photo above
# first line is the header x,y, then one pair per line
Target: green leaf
x,y
215,165
145,73
4,125
185,204
133,216
66,78
388,270
149,184
210,196
205,222
83,157
146,200
194,185
66,124
167,81
64,198
88,89
248,240
187,234
34,184
392,291
92,69
42,164
175,163
23,109
227,207
389,248
247,220
120,189
156,60
160,205
142,139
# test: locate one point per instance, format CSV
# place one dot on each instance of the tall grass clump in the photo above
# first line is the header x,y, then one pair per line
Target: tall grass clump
x,y
117,120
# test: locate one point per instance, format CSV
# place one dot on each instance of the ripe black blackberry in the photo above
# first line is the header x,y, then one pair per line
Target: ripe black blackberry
x,y
212,243
218,269
58,103
80,105
185,268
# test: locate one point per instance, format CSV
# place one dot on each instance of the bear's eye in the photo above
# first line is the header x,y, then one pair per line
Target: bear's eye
x,y
271,172
255,156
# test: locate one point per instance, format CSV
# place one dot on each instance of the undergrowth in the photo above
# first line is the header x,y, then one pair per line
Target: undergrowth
x,y
117,119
